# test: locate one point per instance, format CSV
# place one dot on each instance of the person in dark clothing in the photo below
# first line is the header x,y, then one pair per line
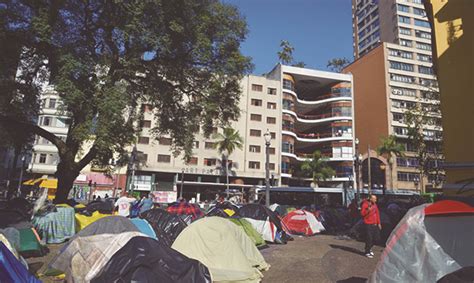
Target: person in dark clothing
x,y
371,215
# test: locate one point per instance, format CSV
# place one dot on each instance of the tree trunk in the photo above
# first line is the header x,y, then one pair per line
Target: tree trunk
x,y
66,175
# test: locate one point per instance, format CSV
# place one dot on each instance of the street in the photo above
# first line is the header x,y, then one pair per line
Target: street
x,y
322,258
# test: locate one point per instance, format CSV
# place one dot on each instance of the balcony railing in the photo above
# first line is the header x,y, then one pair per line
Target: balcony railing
x,y
317,135
325,96
323,116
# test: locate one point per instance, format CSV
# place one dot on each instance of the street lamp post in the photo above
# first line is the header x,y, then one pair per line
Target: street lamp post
x,y
21,174
182,185
357,162
268,138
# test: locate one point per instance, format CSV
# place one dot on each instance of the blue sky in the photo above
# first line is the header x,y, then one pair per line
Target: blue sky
x,y
319,30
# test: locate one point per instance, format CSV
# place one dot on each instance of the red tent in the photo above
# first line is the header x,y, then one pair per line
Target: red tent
x,y
302,222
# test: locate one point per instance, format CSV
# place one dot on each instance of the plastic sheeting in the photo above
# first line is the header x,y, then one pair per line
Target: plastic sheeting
x,y
11,269
144,227
224,248
412,254
147,260
167,226
82,221
85,257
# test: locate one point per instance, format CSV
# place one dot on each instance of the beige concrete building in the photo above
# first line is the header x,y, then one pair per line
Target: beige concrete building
x,y
393,72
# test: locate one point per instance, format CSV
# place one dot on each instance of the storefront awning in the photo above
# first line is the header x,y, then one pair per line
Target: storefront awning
x,y
43,183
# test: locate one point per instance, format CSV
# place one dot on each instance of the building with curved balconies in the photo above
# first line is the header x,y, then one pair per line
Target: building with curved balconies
x,y
316,116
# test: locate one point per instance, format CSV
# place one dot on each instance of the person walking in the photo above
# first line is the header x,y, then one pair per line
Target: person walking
x,y
124,204
371,215
146,203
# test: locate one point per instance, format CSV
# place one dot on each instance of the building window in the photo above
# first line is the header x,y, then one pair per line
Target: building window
x,y
402,104
257,87
400,53
405,31
271,105
146,124
403,8
403,91
255,117
407,176
52,103
400,131
271,151
419,12
403,19
254,165
272,91
273,135
271,166
423,46
406,43
398,117
192,161
422,34
42,158
401,78
195,144
271,120
424,58
46,121
254,148
164,141
287,147
143,140
422,23
210,161
255,133
402,66
287,84
425,70
162,158
209,145
256,102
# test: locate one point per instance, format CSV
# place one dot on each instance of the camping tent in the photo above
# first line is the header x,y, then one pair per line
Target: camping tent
x,y
30,243
144,227
84,257
56,227
11,269
224,248
430,242
265,221
167,226
82,220
301,222
278,209
249,230
225,209
144,259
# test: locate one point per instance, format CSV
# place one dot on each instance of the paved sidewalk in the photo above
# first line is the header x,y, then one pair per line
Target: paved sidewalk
x,y
322,258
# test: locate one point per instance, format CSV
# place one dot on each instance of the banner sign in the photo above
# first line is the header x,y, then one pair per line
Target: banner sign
x,y
164,196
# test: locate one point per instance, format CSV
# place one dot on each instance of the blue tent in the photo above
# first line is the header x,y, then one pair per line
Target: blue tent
x,y
11,270
144,227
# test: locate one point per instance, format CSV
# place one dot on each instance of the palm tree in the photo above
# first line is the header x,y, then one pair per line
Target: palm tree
x,y
389,147
226,143
317,167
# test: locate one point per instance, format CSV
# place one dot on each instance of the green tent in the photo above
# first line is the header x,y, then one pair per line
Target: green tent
x,y
249,230
29,243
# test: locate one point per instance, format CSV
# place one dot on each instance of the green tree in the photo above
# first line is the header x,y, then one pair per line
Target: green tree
x,y
317,168
427,147
226,144
337,64
108,58
389,147
285,55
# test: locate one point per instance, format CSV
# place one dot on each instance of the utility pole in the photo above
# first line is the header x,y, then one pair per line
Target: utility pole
x,y
182,185
369,171
267,137
21,175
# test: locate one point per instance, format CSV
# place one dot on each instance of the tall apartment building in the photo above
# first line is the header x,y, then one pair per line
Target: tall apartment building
x,y
304,110
393,72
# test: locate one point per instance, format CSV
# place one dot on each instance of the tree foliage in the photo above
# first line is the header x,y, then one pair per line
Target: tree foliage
x,y
337,64
106,58
317,168
427,147
389,147
228,141
285,55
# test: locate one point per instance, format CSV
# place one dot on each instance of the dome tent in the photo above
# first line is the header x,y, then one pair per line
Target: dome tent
x,y
301,222
224,248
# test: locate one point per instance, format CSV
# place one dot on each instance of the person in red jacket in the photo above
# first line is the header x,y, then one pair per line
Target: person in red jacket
x,y
371,215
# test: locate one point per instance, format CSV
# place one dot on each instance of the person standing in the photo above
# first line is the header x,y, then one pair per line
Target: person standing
x,y
146,203
371,215
124,204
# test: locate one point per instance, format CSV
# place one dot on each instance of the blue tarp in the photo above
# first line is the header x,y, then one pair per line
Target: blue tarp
x,y
11,270
144,227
